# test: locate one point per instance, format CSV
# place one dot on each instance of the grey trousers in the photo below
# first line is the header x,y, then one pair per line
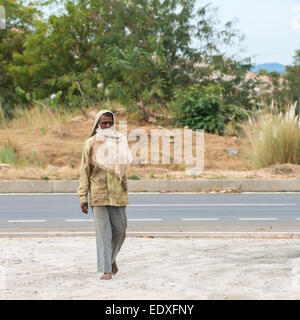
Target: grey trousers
x,y
110,226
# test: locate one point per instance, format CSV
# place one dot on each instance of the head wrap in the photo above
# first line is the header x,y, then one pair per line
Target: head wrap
x,y
98,116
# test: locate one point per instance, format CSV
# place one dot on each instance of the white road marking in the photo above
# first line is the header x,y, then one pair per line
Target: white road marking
x,y
133,193
37,194
258,219
144,219
26,220
156,219
211,204
79,220
200,232
200,219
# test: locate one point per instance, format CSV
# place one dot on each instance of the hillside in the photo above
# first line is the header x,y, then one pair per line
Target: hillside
x,y
44,152
270,67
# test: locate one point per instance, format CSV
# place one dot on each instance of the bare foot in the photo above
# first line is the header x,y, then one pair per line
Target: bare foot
x,y
106,276
114,268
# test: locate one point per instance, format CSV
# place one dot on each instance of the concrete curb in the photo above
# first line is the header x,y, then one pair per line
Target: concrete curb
x,y
70,186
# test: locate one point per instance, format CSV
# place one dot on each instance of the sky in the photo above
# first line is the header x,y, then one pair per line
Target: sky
x,y
271,27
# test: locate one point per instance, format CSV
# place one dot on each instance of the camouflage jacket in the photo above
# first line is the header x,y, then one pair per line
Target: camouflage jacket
x,y
104,186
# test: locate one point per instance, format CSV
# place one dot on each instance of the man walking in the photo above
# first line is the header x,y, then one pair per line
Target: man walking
x,y
103,174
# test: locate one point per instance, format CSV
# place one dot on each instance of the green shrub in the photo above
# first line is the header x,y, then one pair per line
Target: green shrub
x,y
151,174
134,177
202,108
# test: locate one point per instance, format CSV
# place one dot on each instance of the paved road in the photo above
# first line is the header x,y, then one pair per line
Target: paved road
x,y
158,213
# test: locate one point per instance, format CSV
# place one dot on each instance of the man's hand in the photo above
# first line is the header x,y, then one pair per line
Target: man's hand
x,y
84,207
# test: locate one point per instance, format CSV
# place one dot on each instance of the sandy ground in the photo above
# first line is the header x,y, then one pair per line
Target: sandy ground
x,y
158,268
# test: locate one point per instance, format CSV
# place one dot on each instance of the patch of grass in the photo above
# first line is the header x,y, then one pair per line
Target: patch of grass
x,y
217,177
31,159
151,174
2,116
8,154
170,176
134,177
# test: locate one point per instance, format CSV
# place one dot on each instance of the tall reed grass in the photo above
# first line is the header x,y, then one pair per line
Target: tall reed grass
x,y
275,137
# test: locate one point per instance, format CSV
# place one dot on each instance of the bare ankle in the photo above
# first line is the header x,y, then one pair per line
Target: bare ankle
x,y
106,276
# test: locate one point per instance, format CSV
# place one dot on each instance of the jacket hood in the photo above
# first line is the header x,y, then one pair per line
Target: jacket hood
x,y
99,114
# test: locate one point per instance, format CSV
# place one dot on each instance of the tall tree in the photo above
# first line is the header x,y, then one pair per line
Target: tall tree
x,y
18,18
138,51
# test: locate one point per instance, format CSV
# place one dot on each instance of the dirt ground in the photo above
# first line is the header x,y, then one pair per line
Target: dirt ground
x,y
49,153
151,268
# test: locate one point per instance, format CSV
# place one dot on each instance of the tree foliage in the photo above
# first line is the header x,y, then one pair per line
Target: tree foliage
x,y
140,52
293,78
18,20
